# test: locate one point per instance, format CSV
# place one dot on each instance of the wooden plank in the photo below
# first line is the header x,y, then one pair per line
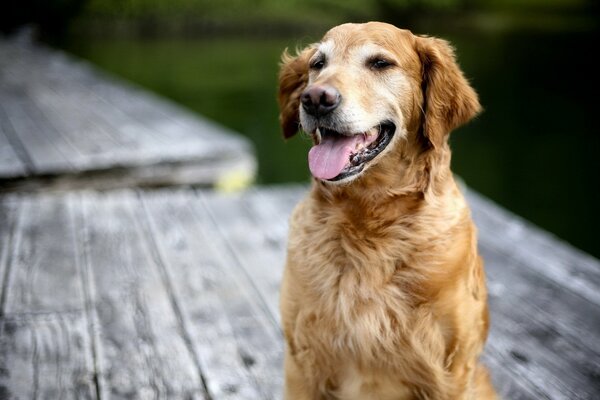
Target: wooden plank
x,y
532,340
9,215
546,307
44,260
46,148
180,294
159,121
540,251
46,356
143,350
274,206
81,128
10,164
44,342
159,114
508,385
249,243
105,137
93,143
237,344
161,128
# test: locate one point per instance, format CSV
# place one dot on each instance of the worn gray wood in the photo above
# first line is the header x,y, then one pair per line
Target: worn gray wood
x,y
539,250
169,294
9,214
231,333
244,234
10,163
75,127
544,310
45,350
45,148
44,260
143,350
45,356
536,342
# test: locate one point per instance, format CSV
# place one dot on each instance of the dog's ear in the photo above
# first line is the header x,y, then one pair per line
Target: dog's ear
x,y
449,100
293,77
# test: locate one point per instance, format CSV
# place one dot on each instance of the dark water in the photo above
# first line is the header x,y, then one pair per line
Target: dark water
x,y
535,149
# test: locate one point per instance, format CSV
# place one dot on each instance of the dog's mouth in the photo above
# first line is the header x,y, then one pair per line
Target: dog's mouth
x,y
340,155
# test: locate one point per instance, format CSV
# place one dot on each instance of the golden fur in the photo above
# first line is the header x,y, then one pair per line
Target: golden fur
x,y
383,295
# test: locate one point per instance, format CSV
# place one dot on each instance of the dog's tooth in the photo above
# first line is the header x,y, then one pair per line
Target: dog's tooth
x,y
318,135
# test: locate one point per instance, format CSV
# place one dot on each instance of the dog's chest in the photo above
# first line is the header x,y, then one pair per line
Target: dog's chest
x,y
359,292
354,385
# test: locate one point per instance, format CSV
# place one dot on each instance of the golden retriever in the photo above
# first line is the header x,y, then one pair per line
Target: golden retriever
x,y
383,295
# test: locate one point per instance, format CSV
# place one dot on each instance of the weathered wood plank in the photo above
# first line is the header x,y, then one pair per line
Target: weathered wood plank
x,y
155,126
46,148
143,351
233,338
46,356
542,304
159,114
509,386
248,242
80,128
179,293
44,342
532,340
547,255
44,274
10,164
9,213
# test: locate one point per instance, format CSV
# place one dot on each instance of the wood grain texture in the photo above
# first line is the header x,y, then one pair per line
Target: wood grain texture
x,y
539,250
250,244
45,356
173,294
531,341
231,334
10,163
79,128
44,274
536,283
9,216
45,350
143,350
47,150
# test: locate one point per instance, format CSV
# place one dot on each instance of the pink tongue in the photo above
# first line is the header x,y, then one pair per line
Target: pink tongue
x,y
327,159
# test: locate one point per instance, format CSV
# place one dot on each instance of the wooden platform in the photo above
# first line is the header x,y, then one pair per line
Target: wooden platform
x,y
173,295
65,125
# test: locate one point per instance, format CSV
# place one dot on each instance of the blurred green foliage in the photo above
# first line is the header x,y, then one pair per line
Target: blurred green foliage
x,y
159,17
297,8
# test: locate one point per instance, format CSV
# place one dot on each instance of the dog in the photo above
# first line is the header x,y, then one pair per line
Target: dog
x,y
383,295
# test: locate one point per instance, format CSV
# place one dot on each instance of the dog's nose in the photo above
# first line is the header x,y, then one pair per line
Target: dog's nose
x,y
319,100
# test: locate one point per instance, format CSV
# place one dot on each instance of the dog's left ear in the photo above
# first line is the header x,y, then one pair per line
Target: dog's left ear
x,y
293,78
449,100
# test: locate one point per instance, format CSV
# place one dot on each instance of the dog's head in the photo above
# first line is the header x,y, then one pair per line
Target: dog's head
x,y
369,94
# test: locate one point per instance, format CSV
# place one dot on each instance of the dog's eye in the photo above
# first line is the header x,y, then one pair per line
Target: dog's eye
x,y
379,63
318,64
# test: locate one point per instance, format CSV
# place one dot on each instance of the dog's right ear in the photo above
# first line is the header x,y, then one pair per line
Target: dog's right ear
x,y
293,77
